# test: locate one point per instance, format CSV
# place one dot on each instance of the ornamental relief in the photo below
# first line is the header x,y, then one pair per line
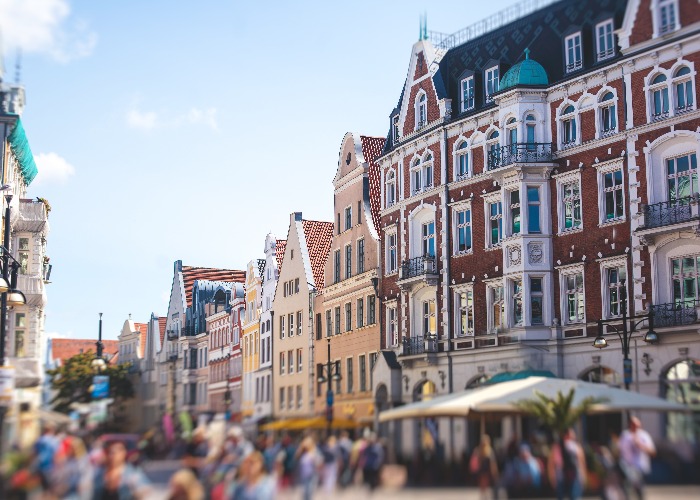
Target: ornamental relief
x,y
535,252
514,255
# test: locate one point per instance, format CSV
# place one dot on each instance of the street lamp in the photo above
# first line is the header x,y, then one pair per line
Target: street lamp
x,y
329,373
625,335
99,364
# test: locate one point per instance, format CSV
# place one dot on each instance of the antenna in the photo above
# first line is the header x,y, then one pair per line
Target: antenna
x,y
18,66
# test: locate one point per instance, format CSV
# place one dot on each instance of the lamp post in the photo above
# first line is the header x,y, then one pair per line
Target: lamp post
x,y
98,364
329,373
626,334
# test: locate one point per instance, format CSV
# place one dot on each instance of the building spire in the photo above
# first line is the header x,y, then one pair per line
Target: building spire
x,y
18,66
423,27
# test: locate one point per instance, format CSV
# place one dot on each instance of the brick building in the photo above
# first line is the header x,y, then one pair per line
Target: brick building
x,y
536,178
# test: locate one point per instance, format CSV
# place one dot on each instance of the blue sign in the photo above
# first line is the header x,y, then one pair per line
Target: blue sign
x,y
100,386
329,398
627,372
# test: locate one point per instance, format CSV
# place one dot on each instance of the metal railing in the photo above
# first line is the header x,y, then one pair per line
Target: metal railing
x,y
574,66
656,117
679,110
519,152
676,313
669,212
420,344
418,266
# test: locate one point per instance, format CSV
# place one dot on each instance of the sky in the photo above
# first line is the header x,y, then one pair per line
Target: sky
x,y
172,130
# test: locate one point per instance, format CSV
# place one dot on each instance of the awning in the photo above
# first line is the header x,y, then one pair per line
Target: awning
x,y
298,424
508,376
20,148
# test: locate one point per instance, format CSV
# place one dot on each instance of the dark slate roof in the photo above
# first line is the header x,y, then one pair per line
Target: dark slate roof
x,y
391,361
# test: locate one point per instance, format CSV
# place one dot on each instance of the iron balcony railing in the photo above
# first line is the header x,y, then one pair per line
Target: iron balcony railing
x,y
420,344
656,117
519,152
667,213
418,266
676,313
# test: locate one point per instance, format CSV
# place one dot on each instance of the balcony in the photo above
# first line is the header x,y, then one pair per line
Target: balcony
x,y
668,213
32,216
419,269
519,152
676,313
420,345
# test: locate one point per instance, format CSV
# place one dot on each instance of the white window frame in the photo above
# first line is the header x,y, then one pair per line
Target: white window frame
x,y
601,106
427,171
491,143
421,108
468,102
347,214
605,265
508,217
467,309
606,169
492,79
416,173
541,294
682,80
490,304
573,117
571,63
488,200
564,274
426,236
392,325
395,128
604,52
348,316
563,181
456,226
657,7
391,267
512,298
461,150
390,189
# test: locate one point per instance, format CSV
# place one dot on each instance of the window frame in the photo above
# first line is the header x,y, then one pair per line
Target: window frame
x,y
603,53
494,298
492,78
605,266
360,308
464,313
563,181
392,325
579,294
348,316
658,14
467,226
467,103
390,187
388,251
493,199
603,170
461,153
569,133
571,66
348,261
348,217
360,255
421,109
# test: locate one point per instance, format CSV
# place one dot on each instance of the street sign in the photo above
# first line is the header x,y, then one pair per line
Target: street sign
x,y
7,385
627,371
100,386
329,398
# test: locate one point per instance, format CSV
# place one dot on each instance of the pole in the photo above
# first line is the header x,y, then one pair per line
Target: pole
x,y
627,362
99,339
3,314
329,393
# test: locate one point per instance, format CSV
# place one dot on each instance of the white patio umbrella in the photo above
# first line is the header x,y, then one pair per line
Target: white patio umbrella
x,y
504,398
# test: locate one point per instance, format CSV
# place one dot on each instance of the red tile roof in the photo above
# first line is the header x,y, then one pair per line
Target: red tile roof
x,y
142,328
371,149
319,236
67,348
279,253
191,274
161,326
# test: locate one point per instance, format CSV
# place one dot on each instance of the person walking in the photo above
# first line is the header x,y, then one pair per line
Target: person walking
x,y
117,479
308,465
185,486
331,460
254,482
636,449
483,464
372,462
566,467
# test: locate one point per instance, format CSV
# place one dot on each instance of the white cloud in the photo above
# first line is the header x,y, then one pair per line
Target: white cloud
x,y
205,117
52,169
45,26
59,335
150,120
143,120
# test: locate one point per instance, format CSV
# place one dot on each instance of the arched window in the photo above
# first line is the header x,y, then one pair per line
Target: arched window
x,y
494,151
462,161
512,134
683,90
658,98
421,110
681,384
416,181
530,123
608,118
568,126
390,188
428,171
601,375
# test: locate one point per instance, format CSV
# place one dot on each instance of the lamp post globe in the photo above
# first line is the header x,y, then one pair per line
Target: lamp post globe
x,y
600,343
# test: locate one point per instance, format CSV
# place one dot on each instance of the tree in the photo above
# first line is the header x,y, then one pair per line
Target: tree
x,y
73,379
559,413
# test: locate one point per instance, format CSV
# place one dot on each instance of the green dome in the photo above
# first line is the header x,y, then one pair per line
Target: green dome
x,y
526,72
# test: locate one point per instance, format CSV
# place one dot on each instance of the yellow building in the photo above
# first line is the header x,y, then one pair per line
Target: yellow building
x,y
253,384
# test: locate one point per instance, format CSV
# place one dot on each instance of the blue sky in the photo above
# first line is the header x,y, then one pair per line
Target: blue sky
x,y
171,130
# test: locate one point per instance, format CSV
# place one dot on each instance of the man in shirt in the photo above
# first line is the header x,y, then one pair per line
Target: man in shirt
x,y
636,450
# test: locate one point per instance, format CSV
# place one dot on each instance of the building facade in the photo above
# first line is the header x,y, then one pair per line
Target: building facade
x,y
529,192
250,341
131,343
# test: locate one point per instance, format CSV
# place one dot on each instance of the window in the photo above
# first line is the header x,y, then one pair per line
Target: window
x,y
682,177
348,261
362,362
359,212
300,323
416,177
492,80
428,235
337,320
495,223
395,128
300,399
616,277
319,328
465,316
574,298
658,98
296,285
568,126
390,188
392,329
530,124
428,171
613,195
605,39
391,257
536,298
23,255
685,280
338,223
360,312
571,197
574,59
290,320
20,325
667,16
290,397
281,327
282,398
515,212
360,256
348,317
290,361
329,323
349,375
493,151
533,210
512,134
336,266
282,364
348,218
463,219
338,385
517,289
429,317
300,365
608,120
462,161
467,93
371,302
497,308
683,90
421,110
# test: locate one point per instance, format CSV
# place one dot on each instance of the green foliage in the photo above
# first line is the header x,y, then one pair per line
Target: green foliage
x,y
559,413
73,379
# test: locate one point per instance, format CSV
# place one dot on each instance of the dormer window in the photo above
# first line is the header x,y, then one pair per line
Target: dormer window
x,y
395,129
421,110
492,79
605,40
574,57
467,93
666,16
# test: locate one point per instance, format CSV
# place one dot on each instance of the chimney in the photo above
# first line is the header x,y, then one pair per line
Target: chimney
x,y
297,216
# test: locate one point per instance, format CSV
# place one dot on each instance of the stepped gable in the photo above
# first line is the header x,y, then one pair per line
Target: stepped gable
x,y
372,148
63,349
279,253
319,236
162,321
191,274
